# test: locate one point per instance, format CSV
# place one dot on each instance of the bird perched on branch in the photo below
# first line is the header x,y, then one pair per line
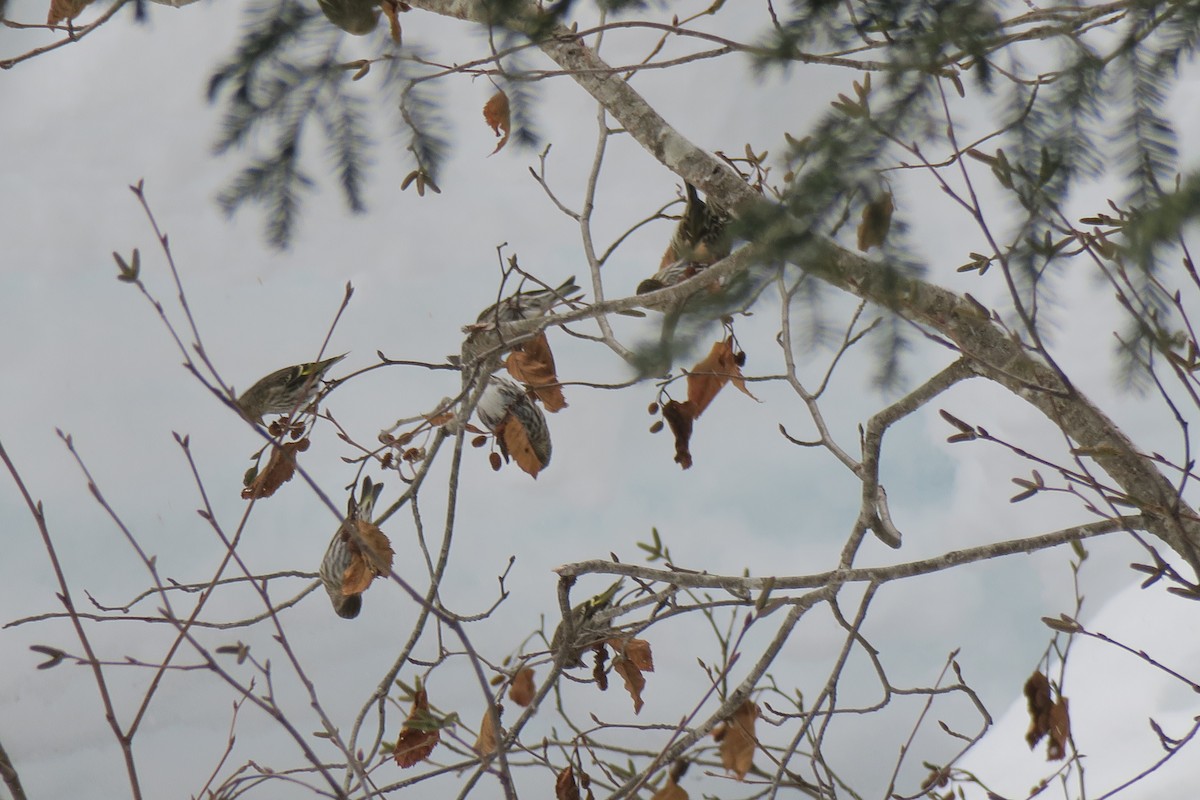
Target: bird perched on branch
x,y
341,548
586,629
501,403
700,239
526,305
284,390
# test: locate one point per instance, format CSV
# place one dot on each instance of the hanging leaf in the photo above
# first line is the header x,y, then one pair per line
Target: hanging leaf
x,y
65,10
498,117
486,742
532,364
280,468
709,376
737,740
420,734
515,444
368,562
565,787
680,417
636,650
521,692
634,681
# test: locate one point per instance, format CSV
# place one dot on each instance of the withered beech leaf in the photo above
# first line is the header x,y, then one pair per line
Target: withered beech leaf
x,y
709,376
1060,731
419,735
486,742
565,787
532,364
634,680
65,10
372,559
521,692
636,650
515,444
876,222
680,417
1037,694
496,114
281,466
670,791
738,741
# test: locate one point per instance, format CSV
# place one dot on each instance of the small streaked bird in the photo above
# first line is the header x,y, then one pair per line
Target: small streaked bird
x,y
700,239
284,390
503,397
527,305
338,555
586,629
358,17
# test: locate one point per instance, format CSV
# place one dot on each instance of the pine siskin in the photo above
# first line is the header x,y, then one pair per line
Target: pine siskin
x,y
338,554
586,630
284,390
527,305
702,234
501,398
358,17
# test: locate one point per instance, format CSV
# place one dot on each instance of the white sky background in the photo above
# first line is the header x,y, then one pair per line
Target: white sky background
x,y
87,354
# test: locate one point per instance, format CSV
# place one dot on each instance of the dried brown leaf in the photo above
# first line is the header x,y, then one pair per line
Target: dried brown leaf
x,y
565,787
498,117
1037,694
368,562
636,650
1060,731
670,791
521,692
709,376
532,364
279,470
419,735
65,10
487,740
876,222
738,741
514,442
634,681
680,417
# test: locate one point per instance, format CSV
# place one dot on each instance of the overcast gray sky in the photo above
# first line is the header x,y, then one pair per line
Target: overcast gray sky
x,y
87,354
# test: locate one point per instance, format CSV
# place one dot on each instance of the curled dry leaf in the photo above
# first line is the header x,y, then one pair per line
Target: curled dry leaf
x,y
565,786
532,364
1037,694
670,791
368,561
1060,731
634,680
485,743
636,650
876,222
280,469
521,692
65,10
419,735
737,740
680,417
515,444
498,116
709,376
